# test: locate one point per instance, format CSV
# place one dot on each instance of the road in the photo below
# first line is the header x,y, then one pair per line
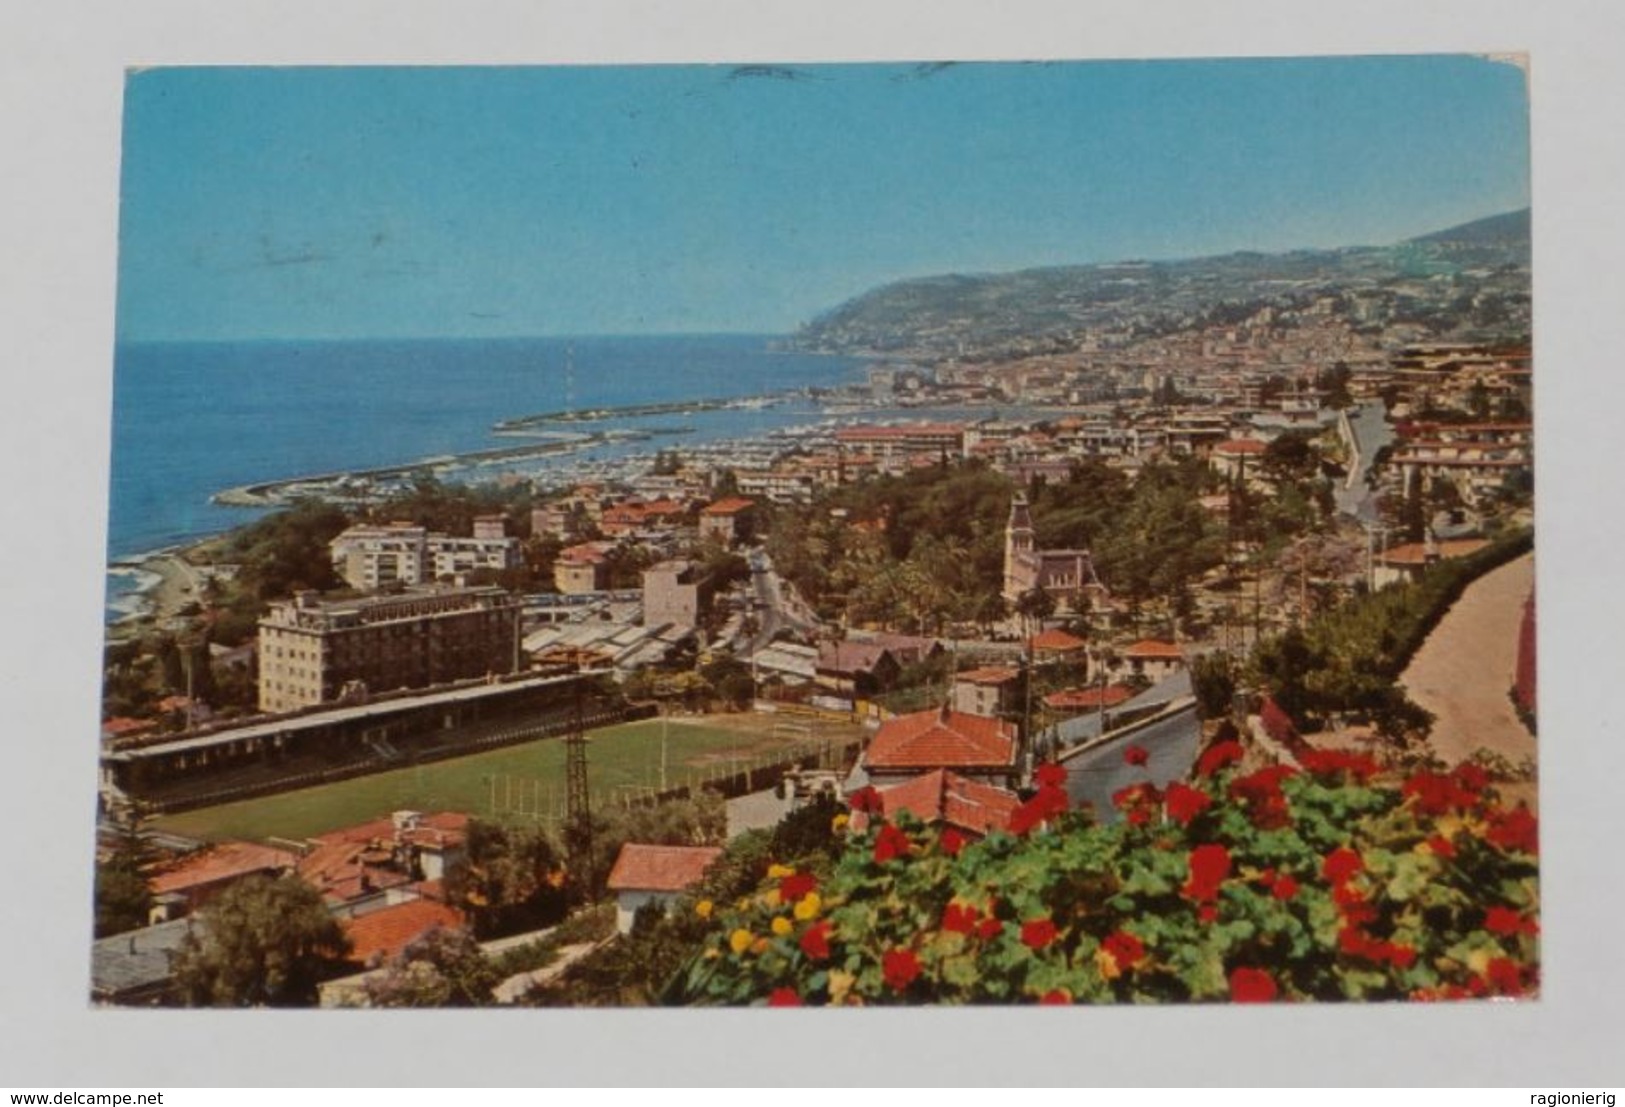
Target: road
x,y
1092,776
1464,669
1372,432
774,610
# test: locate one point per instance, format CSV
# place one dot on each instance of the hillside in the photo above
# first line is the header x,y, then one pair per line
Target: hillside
x,y
1441,279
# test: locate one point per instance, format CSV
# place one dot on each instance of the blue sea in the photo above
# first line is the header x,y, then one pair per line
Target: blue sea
x,y
192,419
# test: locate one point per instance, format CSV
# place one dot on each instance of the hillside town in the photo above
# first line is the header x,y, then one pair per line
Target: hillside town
x,y
1129,564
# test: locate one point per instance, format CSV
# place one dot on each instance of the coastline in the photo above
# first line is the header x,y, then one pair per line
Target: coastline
x,y
167,583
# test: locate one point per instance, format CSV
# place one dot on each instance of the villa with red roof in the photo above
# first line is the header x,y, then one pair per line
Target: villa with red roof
x,y
971,745
379,935
1154,659
729,520
199,877
947,799
645,874
986,691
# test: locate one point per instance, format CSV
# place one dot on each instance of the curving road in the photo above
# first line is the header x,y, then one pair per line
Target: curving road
x,y
1464,669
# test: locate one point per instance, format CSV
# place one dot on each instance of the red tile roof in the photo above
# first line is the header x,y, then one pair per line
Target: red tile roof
x,y
1240,446
642,868
1154,649
942,738
945,797
1415,553
120,726
447,822
1080,698
990,676
733,505
222,862
379,935
1057,640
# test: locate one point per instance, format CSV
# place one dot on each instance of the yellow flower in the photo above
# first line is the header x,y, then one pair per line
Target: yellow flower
x,y
779,872
840,985
1107,964
739,941
782,926
704,908
838,823
809,906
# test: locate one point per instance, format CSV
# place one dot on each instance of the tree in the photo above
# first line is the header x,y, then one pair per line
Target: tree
x,y
1035,605
1213,679
123,895
265,943
444,968
511,878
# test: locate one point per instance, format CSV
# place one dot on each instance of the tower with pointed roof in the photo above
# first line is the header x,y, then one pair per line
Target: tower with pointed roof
x,y
1018,549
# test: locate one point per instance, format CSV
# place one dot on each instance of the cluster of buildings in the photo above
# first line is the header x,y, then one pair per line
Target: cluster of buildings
x,y
384,881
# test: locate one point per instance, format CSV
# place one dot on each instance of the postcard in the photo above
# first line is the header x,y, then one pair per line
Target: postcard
x,y
849,534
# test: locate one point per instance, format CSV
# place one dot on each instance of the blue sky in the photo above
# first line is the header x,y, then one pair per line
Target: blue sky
x,y
354,202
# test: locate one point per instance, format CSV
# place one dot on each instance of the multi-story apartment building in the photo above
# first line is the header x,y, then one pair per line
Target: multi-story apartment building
x,y
310,651
371,557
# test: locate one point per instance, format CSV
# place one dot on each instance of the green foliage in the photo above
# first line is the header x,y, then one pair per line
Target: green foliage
x,y
264,943
123,893
1347,658
443,968
1213,679
511,879
1325,885
288,551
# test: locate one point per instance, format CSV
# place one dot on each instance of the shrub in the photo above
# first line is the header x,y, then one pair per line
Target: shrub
x,y
1340,882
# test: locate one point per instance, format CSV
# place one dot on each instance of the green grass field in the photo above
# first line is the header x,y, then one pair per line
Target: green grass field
x,y
521,780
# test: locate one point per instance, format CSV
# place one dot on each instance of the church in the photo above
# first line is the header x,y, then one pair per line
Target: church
x,y
1064,574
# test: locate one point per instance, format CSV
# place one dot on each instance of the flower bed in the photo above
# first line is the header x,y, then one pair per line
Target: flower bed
x,y
1341,881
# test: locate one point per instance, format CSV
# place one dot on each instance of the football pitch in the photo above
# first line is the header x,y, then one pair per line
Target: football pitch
x,y
517,782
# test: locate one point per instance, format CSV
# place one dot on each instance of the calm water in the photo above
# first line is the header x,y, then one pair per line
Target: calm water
x,y
192,419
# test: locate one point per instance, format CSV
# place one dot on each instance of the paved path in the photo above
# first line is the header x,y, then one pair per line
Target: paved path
x,y
1463,671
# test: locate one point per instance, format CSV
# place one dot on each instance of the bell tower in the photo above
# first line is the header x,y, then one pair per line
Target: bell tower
x,y
1018,548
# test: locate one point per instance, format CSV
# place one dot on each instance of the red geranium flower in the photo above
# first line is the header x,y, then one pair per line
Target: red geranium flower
x,y
989,928
1056,997
784,997
1185,803
1050,775
1506,922
1209,867
1440,846
1504,976
1038,933
867,801
1125,948
1513,830
891,842
1209,913
1283,887
1361,766
1471,776
958,919
1047,803
1136,755
815,941
1138,802
1437,794
1217,757
1252,986
1341,864
900,967
952,841
796,885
